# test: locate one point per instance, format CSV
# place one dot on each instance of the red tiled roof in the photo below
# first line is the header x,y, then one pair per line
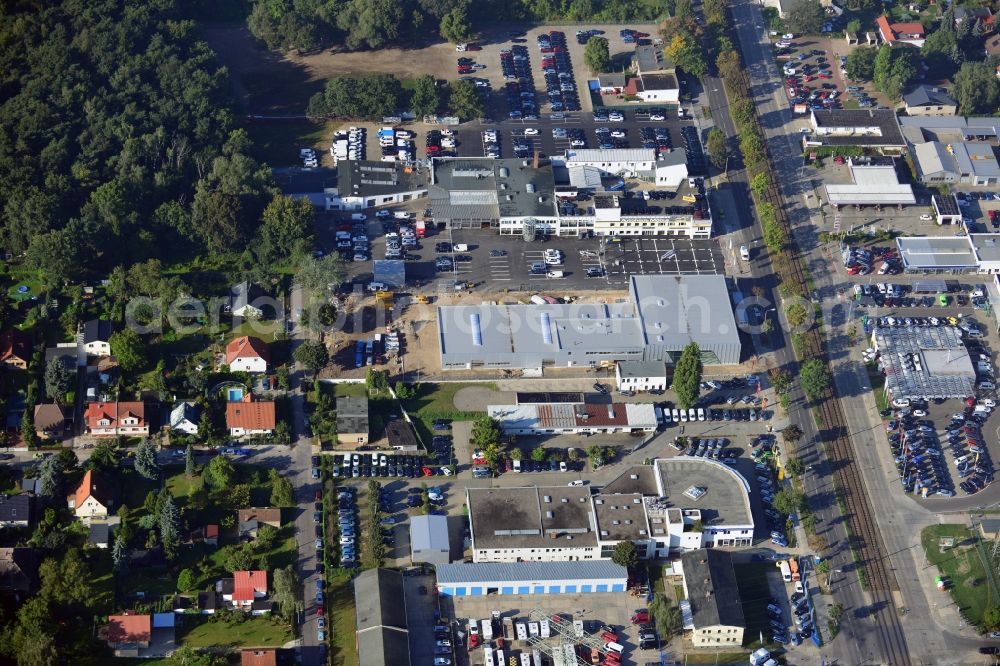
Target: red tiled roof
x,y
633,87
14,344
129,628
912,28
250,415
246,347
245,583
92,485
211,531
883,27
114,412
259,657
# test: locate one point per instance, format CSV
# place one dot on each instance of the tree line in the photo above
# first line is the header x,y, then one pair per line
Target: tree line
x,y
119,144
306,25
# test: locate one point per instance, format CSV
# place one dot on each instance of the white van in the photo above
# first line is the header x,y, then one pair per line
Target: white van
x,y
460,247
517,466
358,217
614,647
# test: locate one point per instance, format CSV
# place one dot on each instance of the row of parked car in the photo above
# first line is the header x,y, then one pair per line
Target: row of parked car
x,y
376,464
693,151
559,82
522,101
347,509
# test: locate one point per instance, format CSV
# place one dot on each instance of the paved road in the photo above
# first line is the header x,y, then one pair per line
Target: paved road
x,y
929,624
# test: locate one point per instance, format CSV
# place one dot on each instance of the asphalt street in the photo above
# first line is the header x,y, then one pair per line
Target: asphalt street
x,y
929,624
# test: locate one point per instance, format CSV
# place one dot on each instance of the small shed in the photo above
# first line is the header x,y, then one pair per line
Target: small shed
x,y
429,540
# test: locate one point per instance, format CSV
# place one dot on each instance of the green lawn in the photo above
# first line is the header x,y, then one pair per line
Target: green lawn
x,y
962,567
181,487
280,143
350,390
438,401
341,620
238,632
153,584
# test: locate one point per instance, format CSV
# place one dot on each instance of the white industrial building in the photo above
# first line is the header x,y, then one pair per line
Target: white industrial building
x,y
429,540
954,149
663,315
676,504
876,183
974,253
574,418
475,580
354,185
713,596
638,163
641,376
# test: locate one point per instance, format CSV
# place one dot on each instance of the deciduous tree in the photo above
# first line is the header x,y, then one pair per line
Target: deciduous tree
x,y
464,100
485,430
128,348
718,148
597,55
815,378
455,25
625,554
805,17
312,355
425,99
976,88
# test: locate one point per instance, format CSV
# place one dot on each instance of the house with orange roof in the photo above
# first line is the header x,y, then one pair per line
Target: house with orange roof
x,y
250,417
247,354
92,498
247,587
15,349
907,33
128,633
259,657
111,419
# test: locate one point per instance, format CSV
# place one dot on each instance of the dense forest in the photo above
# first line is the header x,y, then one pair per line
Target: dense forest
x,y
118,142
311,24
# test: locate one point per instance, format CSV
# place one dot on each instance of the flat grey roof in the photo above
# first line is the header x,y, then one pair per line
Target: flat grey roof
x,y
726,500
522,517
298,180
986,246
491,572
936,252
649,58
399,433
638,479
712,589
429,533
620,516
659,81
642,368
487,188
681,308
365,178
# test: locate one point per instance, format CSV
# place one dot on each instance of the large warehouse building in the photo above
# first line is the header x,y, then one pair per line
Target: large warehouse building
x,y
663,315
675,504
474,580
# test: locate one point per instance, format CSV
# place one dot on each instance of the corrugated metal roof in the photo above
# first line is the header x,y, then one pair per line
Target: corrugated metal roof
x,y
488,572
613,155
429,533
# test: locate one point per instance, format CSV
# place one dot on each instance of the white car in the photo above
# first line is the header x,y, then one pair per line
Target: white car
x,y
988,402
530,131
553,261
434,497
657,117
618,134
616,117
901,402
552,253
578,143
926,217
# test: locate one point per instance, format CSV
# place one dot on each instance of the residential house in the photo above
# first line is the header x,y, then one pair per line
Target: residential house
x,y
989,528
18,569
259,657
129,633
247,587
239,302
92,498
925,100
184,417
973,14
641,375
16,510
100,535
66,353
247,354
352,421
53,421
250,520
95,337
250,417
906,33
208,534
15,349
207,602
112,419
714,597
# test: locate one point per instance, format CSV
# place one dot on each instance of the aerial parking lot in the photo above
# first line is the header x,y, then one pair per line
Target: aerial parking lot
x,y
661,256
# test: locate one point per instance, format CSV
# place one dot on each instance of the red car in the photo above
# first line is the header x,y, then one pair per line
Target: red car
x,y
464,69
546,49
609,637
427,471
433,149
824,75
640,617
319,495
639,35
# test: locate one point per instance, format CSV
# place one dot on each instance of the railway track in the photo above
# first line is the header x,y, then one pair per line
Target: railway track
x,y
865,539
